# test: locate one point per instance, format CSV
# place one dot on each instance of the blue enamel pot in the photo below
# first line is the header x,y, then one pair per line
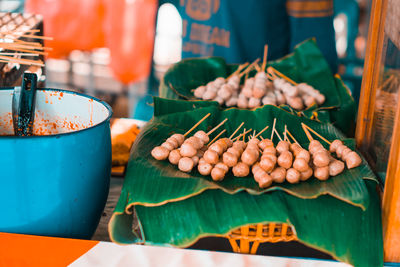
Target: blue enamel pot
x,y
55,183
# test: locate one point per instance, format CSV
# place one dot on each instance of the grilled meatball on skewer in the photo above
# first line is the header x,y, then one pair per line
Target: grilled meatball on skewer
x,y
351,158
176,140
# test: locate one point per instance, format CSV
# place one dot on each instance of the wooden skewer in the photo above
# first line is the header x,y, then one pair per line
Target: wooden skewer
x,y
23,34
18,54
20,31
284,134
257,68
23,46
215,138
37,37
273,129
33,30
294,139
23,50
24,61
241,135
216,127
283,76
21,63
280,139
244,130
18,41
287,138
263,130
20,59
264,64
249,68
237,129
271,75
317,134
238,70
47,48
309,136
197,124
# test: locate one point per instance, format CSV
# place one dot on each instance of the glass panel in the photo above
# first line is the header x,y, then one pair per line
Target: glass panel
x,y
386,99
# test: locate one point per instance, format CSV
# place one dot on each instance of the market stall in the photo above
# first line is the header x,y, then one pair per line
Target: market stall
x,y
245,209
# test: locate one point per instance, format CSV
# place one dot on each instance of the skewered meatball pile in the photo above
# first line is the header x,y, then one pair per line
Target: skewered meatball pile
x,y
267,163
259,90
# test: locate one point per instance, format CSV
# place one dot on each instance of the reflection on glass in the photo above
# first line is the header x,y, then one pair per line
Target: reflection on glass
x,y
386,102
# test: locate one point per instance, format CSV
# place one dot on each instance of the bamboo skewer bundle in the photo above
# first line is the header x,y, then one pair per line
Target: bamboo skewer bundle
x,y
10,41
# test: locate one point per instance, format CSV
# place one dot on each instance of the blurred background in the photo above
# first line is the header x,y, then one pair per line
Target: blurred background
x,y
92,71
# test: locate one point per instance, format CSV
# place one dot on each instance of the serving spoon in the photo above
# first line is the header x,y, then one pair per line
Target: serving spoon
x,y
23,105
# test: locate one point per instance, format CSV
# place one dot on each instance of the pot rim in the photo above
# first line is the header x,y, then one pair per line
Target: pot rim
x,y
108,107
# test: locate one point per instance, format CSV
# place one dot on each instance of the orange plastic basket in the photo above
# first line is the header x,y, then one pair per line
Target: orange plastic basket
x,y
246,239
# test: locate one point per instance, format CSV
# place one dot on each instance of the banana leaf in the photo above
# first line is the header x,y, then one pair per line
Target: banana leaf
x,y
305,64
347,106
325,223
151,182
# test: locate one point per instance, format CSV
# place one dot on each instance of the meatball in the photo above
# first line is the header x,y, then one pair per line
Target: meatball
x,y
321,158
285,159
300,164
306,174
282,146
336,167
229,159
211,157
292,176
185,164
188,150
279,175
267,164
203,136
174,156
353,160
217,174
204,168
179,137
241,170
264,181
160,153
249,156
199,91
168,145
321,173
334,145
265,143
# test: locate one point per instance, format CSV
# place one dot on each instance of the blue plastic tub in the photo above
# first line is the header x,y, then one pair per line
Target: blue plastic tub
x,y
56,183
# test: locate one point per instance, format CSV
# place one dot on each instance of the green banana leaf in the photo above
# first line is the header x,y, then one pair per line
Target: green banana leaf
x,y
325,223
347,106
151,182
305,64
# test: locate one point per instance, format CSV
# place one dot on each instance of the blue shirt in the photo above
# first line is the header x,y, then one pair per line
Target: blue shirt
x,y
237,30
